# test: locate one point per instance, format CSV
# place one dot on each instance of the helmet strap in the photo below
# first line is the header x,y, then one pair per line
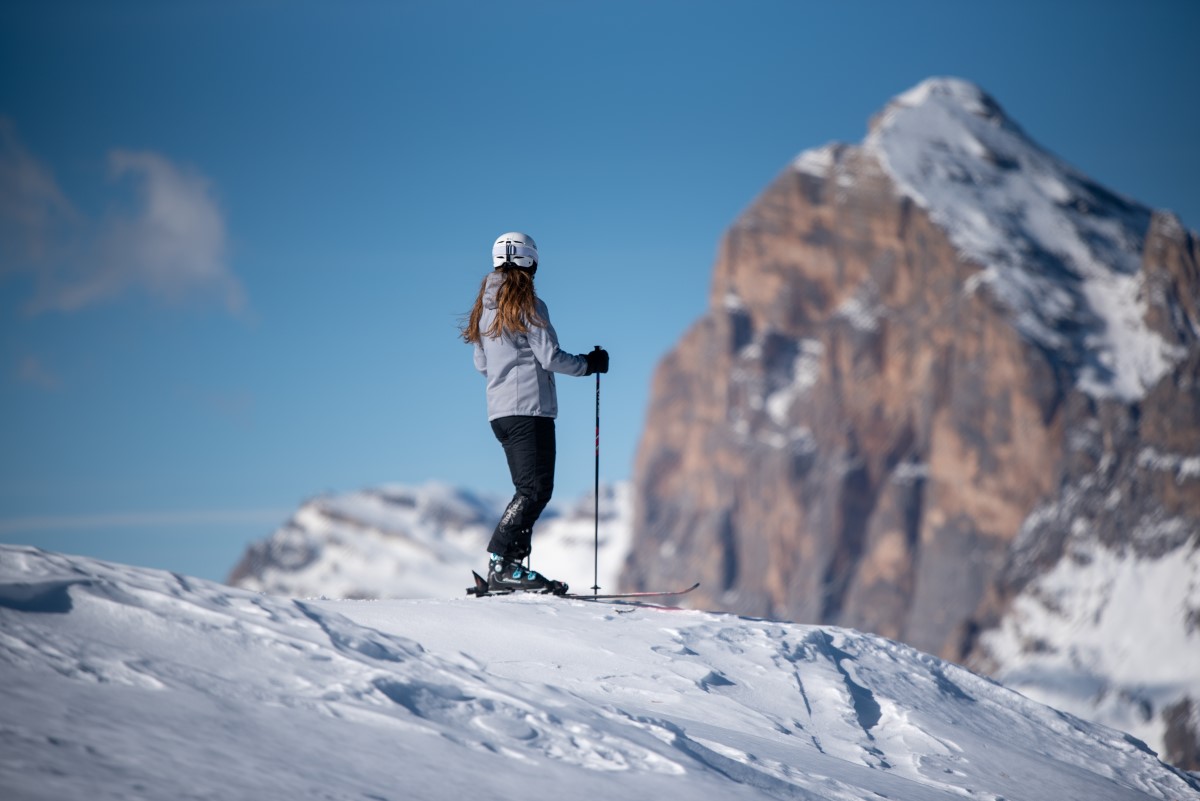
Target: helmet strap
x,y
510,265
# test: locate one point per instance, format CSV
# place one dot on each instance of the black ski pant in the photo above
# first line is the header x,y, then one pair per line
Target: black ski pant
x,y
529,447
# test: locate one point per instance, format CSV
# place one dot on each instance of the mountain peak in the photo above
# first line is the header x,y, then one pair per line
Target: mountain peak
x,y
1062,253
951,92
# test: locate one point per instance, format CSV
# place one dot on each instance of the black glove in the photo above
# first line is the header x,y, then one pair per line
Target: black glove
x,y
597,361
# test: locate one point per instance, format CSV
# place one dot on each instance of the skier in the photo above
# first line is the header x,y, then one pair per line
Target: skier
x,y
517,350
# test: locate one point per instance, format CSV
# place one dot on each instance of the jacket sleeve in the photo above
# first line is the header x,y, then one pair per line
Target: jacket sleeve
x,y
480,359
543,341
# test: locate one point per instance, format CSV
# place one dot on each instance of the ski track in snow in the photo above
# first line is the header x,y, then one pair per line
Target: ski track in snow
x,y
121,682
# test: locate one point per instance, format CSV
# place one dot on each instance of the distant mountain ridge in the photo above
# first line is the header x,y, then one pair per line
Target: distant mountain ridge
x,y
947,389
400,541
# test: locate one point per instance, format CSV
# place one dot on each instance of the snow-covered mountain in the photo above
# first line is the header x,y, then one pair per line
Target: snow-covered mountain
x,y
127,683
400,541
947,389
1060,252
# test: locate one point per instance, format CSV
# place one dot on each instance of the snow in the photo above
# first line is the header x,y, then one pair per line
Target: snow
x,y
1184,467
817,161
1107,633
1062,254
910,472
861,312
122,682
401,541
773,387
566,546
805,372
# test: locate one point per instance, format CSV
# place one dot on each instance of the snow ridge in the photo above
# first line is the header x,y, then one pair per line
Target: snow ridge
x,y
120,682
1062,253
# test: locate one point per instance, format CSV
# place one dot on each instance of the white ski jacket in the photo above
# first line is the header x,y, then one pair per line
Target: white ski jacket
x,y
520,368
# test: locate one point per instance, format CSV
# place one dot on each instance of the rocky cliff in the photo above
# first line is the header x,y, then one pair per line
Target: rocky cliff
x,y
936,367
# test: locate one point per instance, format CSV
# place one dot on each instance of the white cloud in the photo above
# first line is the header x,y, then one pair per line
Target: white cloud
x,y
167,241
108,520
32,206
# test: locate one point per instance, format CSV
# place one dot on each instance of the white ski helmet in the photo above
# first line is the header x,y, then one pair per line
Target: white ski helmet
x,y
517,249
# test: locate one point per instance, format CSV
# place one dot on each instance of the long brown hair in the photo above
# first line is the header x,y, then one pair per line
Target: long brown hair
x,y
516,306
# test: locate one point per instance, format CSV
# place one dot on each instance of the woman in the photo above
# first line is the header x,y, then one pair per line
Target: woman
x,y
517,350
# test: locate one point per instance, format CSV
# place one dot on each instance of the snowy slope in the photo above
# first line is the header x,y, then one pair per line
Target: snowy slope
x,y
1062,253
120,682
1108,635
400,541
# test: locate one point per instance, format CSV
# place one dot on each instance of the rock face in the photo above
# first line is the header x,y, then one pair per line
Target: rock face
x,y
935,366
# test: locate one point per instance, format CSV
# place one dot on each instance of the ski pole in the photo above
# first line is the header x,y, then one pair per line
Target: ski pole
x,y
596,494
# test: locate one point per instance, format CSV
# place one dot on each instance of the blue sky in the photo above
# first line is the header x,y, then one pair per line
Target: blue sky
x,y
236,238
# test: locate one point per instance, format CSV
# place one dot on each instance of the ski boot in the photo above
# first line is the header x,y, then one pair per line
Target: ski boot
x,y
509,575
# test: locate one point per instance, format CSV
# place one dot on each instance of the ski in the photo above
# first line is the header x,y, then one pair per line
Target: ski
x,y
630,595
481,589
